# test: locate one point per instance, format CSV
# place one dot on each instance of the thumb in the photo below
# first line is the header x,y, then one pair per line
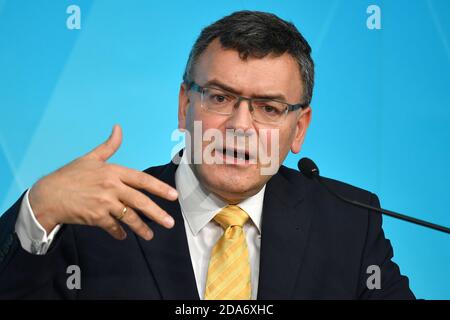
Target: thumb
x,y
105,151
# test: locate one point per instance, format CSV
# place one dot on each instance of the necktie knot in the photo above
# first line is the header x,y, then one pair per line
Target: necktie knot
x,y
231,216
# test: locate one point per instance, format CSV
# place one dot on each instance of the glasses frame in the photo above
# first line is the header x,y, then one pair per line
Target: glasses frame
x,y
289,107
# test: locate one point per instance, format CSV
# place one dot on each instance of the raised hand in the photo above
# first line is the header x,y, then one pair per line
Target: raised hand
x,y
91,192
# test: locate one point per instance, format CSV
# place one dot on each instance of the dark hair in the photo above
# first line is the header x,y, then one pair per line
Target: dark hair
x,y
256,34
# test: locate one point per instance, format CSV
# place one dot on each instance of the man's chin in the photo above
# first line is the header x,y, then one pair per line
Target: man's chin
x,y
229,181
230,184
232,193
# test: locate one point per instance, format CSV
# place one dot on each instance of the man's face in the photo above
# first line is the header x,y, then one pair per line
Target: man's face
x,y
269,76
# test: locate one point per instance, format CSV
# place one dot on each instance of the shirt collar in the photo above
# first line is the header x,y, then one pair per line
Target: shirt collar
x,y
199,207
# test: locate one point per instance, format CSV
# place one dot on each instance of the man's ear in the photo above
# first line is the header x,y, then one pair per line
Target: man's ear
x,y
302,125
183,105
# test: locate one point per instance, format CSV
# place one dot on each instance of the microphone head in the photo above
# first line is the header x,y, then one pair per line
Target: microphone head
x,y
308,167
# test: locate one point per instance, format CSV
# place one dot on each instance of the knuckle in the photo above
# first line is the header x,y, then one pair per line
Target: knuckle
x,y
113,228
108,183
133,219
159,184
142,229
108,146
103,200
107,171
142,181
94,218
162,214
140,202
151,181
167,189
139,225
112,167
101,216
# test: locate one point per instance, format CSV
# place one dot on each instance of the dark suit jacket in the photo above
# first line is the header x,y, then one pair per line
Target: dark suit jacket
x,y
313,246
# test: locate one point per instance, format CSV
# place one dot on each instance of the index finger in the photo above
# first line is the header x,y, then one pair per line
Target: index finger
x,y
141,180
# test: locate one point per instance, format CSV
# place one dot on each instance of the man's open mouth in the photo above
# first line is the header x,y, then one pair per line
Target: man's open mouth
x,y
238,154
233,155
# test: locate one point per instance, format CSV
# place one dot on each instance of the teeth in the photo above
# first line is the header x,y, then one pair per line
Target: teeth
x,y
235,154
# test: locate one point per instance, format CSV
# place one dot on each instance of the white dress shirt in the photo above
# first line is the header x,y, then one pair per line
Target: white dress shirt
x,y
32,236
198,209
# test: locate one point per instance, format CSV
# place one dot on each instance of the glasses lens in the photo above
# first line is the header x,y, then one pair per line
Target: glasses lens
x,y
264,110
218,101
268,111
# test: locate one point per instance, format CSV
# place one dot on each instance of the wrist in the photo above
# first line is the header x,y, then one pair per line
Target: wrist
x,y
39,206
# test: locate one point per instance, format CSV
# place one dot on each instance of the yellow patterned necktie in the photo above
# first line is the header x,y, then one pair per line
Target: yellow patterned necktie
x,y
229,266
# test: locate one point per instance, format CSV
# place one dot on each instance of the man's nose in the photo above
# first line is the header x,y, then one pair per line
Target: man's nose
x,y
241,117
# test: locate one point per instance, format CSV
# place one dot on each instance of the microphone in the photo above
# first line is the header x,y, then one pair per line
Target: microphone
x,y
311,171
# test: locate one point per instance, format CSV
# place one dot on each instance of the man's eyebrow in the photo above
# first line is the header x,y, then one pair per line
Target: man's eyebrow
x,y
221,85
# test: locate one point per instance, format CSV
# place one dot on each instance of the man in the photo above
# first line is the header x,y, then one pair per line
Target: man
x,y
214,226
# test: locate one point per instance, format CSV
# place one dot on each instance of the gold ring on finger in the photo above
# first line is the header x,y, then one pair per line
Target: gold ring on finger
x,y
122,214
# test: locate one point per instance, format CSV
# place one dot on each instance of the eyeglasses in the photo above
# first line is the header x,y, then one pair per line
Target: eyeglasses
x,y
266,111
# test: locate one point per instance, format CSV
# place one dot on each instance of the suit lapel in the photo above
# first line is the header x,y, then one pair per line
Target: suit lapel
x,y
284,233
167,254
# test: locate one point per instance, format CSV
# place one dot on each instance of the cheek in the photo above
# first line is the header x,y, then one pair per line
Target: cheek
x,y
199,124
278,140
208,121
282,145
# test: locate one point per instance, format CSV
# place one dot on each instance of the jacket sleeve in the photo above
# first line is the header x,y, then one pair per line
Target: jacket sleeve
x,y
27,276
377,261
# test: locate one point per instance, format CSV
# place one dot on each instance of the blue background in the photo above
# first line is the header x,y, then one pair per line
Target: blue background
x,y
381,117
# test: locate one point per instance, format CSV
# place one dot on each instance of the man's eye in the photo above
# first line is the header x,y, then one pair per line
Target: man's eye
x,y
218,98
270,109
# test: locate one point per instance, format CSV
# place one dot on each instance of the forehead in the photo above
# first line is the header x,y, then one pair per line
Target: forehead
x,y
250,77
